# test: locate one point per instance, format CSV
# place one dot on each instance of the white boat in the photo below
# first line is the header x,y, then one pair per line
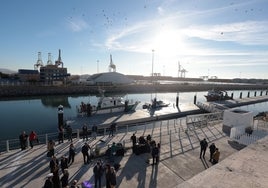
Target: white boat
x,y
107,105
155,104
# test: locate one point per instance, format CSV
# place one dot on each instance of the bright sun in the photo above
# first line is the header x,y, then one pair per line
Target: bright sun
x,y
168,43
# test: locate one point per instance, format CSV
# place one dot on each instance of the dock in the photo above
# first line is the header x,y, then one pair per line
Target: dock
x,y
219,106
179,164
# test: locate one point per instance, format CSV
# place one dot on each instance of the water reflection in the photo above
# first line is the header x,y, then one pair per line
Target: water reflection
x,y
55,101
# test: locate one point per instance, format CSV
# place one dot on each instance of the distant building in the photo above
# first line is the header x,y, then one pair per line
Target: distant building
x,y
109,78
26,75
53,75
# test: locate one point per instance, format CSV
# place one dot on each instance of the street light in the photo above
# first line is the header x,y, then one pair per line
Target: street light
x,y
152,63
97,66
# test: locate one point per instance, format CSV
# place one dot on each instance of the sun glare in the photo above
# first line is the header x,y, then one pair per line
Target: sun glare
x,y
168,43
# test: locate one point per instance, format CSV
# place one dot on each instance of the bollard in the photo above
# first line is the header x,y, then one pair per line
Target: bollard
x,y
195,99
60,116
240,95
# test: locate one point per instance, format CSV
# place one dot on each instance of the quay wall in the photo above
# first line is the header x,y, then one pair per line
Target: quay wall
x,y
31,90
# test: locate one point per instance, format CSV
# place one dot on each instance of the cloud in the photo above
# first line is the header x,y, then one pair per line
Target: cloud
x,y
246,33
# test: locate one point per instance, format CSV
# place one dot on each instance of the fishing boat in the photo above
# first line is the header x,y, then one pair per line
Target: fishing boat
x,y
155,104
107,105
217,95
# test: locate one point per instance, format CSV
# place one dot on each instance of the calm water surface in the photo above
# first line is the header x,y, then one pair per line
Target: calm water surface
x,y
41,114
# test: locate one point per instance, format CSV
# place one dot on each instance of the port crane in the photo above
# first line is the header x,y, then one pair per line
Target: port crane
x,y
181,71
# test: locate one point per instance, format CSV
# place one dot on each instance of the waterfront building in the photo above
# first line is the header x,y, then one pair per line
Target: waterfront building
x,y
53,74
27,75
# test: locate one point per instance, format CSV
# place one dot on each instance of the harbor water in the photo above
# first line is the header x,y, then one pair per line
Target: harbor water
x,y
40,114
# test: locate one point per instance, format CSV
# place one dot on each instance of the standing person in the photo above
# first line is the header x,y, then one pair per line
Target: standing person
x,y
112,178
71,153
112,129
97,170
53,164
50,148
94,131
133,138
23,140
69,131
203,145
216,156
85,149
63,163
155,154
61,135
85,132
33,137
108,175
65,179
49,182
212,149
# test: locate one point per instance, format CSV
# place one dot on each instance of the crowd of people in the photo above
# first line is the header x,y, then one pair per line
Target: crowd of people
x,y
60,165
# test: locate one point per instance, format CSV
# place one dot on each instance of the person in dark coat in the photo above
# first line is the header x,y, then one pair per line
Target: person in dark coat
x,y
134,141
97,170
49,182
155,154
63,163
212,149
61,135
203,145
85,149
85,132
94,131
65,179
71,153
112,129
69,131
53,164
108,176
112,178
23,140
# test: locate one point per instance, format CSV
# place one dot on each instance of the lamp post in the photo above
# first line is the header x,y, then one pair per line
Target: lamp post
x,y
152,64
97,66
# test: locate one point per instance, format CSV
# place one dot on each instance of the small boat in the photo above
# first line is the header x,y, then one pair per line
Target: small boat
x,y
217,95
155,104
107,105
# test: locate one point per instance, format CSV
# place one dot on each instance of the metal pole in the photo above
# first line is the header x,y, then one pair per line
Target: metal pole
x,y
152,64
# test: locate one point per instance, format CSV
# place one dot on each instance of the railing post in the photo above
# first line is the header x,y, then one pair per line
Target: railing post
x,y
46,139
28,142
78,136
170,143
7,145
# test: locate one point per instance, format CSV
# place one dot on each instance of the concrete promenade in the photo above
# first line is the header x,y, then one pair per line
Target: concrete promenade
x,y
179,158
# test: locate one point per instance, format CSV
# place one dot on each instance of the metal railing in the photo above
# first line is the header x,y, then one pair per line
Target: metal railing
x,y
12,144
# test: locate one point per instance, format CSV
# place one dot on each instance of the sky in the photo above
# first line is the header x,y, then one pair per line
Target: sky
x,y
226,39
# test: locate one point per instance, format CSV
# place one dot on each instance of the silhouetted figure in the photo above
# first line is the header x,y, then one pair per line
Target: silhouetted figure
x,y
212,149
203,145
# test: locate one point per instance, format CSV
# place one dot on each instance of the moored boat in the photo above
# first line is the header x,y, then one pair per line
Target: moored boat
x,y
107,105
217,95
155,104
